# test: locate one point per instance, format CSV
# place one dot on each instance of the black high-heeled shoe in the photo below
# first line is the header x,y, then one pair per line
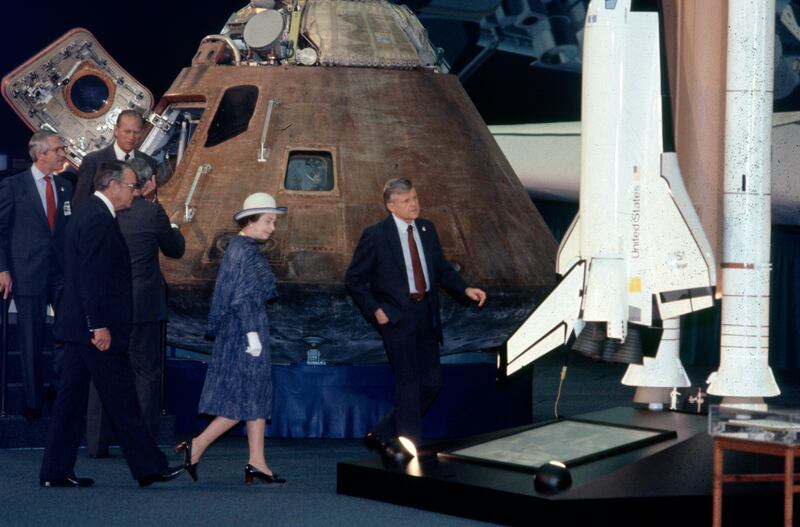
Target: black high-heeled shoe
x,y
186,448
252,474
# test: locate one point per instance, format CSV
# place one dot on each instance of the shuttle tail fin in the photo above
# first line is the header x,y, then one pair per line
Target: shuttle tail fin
x,y
682,265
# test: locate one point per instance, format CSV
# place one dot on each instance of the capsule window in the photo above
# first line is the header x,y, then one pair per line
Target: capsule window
x,y
89,93
309,172
233,114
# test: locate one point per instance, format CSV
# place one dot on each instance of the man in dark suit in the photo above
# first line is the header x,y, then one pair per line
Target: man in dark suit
x,y
34,209
146,229
127,134
394,278
94,322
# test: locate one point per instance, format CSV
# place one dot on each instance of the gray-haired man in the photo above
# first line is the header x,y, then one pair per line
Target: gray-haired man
x,y
394,278
94,324
128,132
34,209
146,230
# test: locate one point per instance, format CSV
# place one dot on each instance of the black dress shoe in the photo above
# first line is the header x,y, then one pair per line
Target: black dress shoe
x,y
372,442
186,448
253,475
167,474
70,481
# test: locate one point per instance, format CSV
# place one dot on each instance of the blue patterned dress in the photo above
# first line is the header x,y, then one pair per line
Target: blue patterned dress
x,y
238,385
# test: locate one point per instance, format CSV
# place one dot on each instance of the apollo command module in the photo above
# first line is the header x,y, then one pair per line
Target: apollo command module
x,y
317,102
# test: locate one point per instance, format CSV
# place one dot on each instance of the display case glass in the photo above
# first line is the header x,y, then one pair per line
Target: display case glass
x,y
774,425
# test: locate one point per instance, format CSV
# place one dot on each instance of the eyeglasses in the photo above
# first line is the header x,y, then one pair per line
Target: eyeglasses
x,y
133,186
59,149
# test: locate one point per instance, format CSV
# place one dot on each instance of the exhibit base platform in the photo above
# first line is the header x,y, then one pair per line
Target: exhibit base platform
x,y
628,466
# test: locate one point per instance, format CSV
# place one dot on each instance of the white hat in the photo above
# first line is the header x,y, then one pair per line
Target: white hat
x,y
258,203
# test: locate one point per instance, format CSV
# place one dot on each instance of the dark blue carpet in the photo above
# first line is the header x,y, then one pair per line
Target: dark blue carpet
x,y
219,498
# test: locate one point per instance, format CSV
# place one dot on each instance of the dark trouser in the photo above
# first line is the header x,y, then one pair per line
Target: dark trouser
x,y
31,327
412,347
144,353
111,372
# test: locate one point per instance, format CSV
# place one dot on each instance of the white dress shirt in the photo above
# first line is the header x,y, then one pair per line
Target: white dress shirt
x,y
106,201
120,153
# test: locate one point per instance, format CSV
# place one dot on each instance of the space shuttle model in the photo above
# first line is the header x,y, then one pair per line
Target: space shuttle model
x,y
636,251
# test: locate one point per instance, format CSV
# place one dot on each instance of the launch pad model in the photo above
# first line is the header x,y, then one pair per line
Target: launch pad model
x,y
665,480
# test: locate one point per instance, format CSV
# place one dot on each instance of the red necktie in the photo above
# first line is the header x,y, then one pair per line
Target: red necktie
x,y
416,264
50,198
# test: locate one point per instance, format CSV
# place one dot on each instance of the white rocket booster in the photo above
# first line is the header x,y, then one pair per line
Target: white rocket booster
x,y
662,372
744,372
636,251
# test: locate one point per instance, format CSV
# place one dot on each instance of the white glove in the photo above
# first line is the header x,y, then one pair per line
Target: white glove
x,y
253,344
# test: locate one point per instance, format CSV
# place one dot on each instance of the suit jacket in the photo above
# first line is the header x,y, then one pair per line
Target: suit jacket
x,y
377,274
27,246
147,229
84,187
97,278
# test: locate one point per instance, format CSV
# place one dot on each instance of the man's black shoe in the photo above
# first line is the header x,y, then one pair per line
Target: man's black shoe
x,y
167,474
67,482
372,442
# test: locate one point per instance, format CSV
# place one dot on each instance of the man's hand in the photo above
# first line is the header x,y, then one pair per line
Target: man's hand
x,y
476,295
149,189
381,317
5,284
101,339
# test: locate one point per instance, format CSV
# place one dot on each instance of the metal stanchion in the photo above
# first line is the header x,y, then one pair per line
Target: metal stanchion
x,y
3,355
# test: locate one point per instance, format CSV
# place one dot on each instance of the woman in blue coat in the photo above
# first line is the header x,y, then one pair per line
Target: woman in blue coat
x,y
238,383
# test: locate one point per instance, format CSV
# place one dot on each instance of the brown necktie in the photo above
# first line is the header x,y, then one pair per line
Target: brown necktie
x,y
50,198
416,264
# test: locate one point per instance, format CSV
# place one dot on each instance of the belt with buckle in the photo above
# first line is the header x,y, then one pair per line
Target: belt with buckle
x,y
417,297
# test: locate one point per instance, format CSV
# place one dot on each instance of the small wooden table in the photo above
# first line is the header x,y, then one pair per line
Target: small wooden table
x,y
755,447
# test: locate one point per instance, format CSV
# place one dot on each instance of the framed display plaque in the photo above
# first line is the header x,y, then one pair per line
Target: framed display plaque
x,y
570,441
